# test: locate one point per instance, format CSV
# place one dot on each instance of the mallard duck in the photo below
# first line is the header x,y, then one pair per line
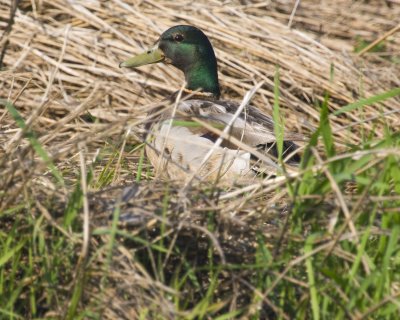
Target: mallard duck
x,y
176,147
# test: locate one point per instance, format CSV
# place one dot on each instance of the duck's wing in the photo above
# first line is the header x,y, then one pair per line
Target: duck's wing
x,y
186,141
252,127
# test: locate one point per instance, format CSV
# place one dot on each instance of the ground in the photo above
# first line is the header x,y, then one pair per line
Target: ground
x,y
88,231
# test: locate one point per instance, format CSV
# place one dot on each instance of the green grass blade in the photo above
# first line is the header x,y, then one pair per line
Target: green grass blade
x,y
140,166
41,152
10,315
325,127
389,254
10,253
75,299
194,124
368,101
311,279
230,315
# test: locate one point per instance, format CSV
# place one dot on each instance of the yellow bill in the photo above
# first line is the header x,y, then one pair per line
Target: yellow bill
x,y
152,55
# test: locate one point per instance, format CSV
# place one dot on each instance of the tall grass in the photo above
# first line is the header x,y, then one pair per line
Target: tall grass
x,y
318,244
335,253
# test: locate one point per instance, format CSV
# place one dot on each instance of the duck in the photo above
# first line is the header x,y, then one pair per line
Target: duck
x,y
186,139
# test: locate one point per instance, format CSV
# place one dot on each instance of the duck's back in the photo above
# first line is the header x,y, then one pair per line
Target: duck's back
x,y
182,138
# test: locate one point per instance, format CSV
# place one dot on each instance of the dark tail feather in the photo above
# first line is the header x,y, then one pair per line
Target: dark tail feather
x,y
288,148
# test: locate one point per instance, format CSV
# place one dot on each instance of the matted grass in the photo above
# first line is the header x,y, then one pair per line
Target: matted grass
x,y
87,231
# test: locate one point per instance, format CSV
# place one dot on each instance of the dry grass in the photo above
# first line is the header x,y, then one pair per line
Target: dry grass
x,y
61,73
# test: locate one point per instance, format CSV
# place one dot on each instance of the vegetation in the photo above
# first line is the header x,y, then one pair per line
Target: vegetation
x,y
88,232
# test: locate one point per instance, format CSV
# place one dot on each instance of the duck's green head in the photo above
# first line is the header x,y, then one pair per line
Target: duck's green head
x,y
188,49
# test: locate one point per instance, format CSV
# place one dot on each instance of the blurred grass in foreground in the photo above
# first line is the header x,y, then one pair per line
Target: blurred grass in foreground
x,y
336,255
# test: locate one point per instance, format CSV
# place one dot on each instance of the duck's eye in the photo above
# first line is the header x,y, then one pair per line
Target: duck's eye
x,y
178,37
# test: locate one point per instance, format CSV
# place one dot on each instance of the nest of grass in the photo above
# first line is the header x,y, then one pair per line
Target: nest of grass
x,y
60,71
